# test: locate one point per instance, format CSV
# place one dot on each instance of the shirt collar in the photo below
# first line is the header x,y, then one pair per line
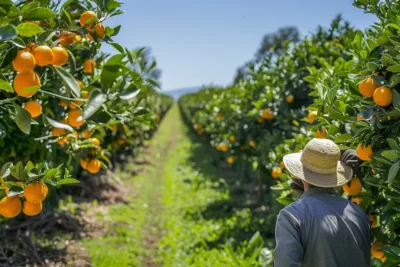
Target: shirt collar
x,y
318,190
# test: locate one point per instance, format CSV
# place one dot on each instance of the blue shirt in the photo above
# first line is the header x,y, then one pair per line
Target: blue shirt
x,y
322,229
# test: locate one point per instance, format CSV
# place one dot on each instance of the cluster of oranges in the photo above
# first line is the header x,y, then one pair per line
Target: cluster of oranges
x,y
276,172
34,194
382,95
222,147
265,114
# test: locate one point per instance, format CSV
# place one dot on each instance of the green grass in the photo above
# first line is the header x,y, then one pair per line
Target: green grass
x,y
182,210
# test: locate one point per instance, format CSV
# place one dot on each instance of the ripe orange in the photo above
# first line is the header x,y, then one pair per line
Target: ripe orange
x,y
84,163
85,94
60,56
90,37
67,38
321,134
63,103
35,192
10,207
282,164
224,147
121,139
25,80
276,172
94,166
100,30
290,99
73,116
231,160
34,108
355,187
372,219
367,87
364,153
32,209
88,18
57,131
232,138
374,250
311,116
24,61
260,120
360,117
383,96
62,140
86,134
267,114
356,200
30,47
89,65
252,144
43,55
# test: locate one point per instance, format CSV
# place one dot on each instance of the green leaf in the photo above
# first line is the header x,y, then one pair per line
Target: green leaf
x,y
29,166
18,171
6,86
390,154
29,6
396,98
18,42
8,32
57,124
393,144
129,94
5,169
343,138
118,47
72,61
29,29
393,171
69,81
22,119
395,68
40,13
68,181
96,99
9,57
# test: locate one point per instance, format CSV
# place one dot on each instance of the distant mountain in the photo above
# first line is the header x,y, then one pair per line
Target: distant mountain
x,y
177,93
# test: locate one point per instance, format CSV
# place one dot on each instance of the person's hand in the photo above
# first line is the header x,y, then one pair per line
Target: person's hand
x,y
350,158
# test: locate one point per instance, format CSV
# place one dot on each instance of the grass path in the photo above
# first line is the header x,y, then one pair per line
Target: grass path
x,y
179,209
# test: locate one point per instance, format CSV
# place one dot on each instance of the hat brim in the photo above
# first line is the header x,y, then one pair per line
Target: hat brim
x,y
295,167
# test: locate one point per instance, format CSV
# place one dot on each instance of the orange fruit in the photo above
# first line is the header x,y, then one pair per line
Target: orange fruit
x,y
89,65
26,80
60,56
80,84
94,166
290,99
30,47
86,134
95,141
62,140
43,55
84,163
85,94
90,37
276,172
75,104
100,30
46,189
355,187
231,160
10,207
282,164
115,128
88,18
67,38
372,219
321,134
360,117
374,250
24,61
224,147
364,153
57,131
32,209
356,200
73,116
35,192
260,120
232,138
63,103
34,108
311,116
252,144
121,140
267,114
383,96
367,87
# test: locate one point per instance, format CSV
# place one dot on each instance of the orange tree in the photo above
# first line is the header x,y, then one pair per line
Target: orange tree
x,y
247,120
58,94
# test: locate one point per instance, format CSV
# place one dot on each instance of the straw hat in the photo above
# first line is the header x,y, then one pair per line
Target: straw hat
x,y
319,164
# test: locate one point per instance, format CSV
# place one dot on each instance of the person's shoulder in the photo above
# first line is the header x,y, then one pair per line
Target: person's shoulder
x,y
295,209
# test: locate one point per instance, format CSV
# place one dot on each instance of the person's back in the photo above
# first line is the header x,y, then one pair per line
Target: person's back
x,y
322,229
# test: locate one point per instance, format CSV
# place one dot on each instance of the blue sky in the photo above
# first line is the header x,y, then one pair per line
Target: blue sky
x,y
200,42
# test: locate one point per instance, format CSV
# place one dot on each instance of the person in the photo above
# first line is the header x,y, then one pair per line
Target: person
x,y
321,229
